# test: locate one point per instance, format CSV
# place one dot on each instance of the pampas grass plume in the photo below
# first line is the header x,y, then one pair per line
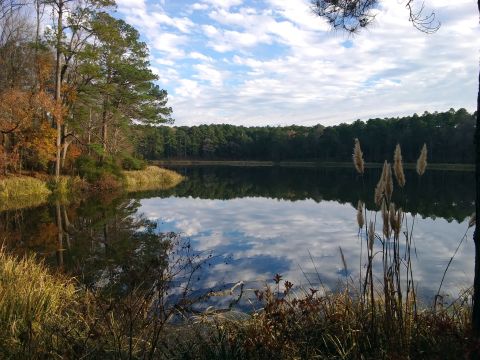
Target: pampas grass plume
x,y
422,161
358,157
472,221
360,218
398,166
388,181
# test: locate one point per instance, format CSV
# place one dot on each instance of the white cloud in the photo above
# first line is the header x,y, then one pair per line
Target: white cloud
x,y
281,65
198,6
198,56
225,4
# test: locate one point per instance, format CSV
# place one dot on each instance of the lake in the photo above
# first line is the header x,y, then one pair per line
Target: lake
x,y
250,223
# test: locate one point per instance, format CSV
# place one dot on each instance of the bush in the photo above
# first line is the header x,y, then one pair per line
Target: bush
x,y
131,163
99,171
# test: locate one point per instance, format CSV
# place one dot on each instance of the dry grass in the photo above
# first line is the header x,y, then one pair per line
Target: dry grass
x,y
32,301
152,178
22,191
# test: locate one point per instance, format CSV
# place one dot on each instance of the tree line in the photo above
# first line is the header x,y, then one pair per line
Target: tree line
x,y
73,79
448,136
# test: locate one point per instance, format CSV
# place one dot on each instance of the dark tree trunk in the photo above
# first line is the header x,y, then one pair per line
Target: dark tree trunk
x,y
476,235
58,89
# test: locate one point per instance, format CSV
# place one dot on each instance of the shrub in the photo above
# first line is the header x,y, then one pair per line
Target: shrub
x,y
131,163
99,171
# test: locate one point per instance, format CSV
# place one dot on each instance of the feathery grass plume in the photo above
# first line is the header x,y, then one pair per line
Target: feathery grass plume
x,y
360,218
371,235
380,188
388,181
472,221
398,166
398,221
393,218
422,161
386,222
358,157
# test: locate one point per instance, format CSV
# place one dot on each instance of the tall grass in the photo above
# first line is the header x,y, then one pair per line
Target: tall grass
x,y
151,178
32,303
22,191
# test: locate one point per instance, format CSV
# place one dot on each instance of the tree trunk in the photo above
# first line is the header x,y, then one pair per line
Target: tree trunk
x,y
476,234
58,89
104,126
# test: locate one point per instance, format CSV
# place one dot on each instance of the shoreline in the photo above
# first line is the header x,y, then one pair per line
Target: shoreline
x,y
301,164
22,191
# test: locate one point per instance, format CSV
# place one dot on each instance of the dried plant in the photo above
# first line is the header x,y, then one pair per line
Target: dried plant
x,y
385,185
386,221
398,166
380,188
360,218
371,235
358,157
388,181
472,221
422,161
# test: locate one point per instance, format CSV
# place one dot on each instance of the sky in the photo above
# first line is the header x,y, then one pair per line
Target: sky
x,y
272,62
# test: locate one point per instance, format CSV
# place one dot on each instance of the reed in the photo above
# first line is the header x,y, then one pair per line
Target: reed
x,y
360,217
398,166
422,161
358,157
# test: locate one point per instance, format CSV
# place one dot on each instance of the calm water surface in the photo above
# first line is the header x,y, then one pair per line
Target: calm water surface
x,y
255,222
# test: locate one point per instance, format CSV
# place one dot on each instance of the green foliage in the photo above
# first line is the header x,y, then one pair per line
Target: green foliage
x,y
131,163
448,135
94,170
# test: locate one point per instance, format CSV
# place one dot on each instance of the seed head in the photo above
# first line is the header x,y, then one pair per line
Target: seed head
x,y
380,188
472,221
386,222
422,161
360,218
393,218
358,157
398,166
371,235
388,181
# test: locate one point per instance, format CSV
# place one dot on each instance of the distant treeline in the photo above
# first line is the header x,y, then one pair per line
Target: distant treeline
x,y
448,135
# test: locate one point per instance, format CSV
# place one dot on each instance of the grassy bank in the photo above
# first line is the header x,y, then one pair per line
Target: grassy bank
x,y
17,192
151,178
44,316
450,167
33,303
22,191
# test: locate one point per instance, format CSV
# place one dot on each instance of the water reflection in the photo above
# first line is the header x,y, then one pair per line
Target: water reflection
x,y
256,221
446,194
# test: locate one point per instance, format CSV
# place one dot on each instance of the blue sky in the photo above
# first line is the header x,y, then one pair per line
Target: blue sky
x,y
271,62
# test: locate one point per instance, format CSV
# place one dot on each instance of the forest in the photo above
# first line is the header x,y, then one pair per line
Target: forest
x,y
77,96
448,136
73,80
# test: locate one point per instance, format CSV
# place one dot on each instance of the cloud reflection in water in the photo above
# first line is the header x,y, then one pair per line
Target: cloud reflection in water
x,y
254,238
